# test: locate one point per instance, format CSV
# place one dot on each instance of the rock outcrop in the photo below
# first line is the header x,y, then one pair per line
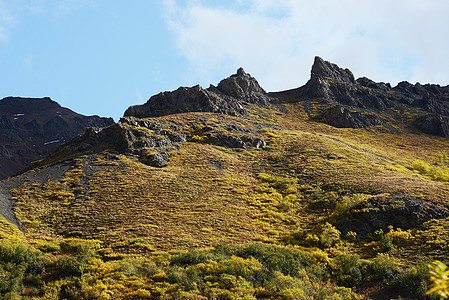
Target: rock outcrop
x,y
151,140
229,98
32,128
346,102
379,212
434,124
339,116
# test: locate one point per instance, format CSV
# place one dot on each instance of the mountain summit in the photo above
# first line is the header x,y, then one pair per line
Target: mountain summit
x,y
32,128
229,98
333,96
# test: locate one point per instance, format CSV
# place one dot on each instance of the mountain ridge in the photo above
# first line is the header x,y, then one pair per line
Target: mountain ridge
x,y
326,191
227,98
32,128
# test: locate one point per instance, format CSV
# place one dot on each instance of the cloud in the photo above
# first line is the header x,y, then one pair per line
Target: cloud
x,y
6,21
276,40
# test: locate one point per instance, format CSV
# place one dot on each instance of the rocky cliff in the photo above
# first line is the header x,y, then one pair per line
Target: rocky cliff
x,y
229,97
335,97
32,128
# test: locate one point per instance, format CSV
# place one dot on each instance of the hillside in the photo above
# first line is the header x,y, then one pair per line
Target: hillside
x,y
330,191
32,128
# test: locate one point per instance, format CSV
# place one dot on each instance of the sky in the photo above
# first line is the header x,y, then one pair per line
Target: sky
x,y
98,57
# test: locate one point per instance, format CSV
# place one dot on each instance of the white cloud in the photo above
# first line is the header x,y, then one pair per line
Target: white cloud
x,y
6,21
276,40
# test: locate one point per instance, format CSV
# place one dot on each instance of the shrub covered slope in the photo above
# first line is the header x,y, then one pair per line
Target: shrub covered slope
x,y
204,205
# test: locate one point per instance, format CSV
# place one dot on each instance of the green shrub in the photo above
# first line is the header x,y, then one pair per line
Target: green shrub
x,y
47,246
439,278
10,281
434,172
348,265
190,257
386,243
80,246
329,235
385,267
70,266
21,255
18,260
415,280
275,258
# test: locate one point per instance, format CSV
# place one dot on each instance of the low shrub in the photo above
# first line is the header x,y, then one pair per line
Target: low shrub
x,y
329,235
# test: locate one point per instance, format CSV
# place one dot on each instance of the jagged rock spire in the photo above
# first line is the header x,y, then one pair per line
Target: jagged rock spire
x,y
325,69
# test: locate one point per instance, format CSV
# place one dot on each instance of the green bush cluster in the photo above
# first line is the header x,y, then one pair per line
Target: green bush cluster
x,y
18,262
82,270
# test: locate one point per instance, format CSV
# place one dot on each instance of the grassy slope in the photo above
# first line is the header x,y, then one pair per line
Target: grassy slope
x,y
210,195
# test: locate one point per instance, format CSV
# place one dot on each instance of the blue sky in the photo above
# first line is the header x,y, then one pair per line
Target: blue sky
x,y
101,56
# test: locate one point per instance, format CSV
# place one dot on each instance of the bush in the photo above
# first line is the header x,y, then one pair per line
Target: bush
x,y
190,257
436,173
70,266
414,279
80,246
440,279
273,257
349,266
21,255
385,267
17,261
329,235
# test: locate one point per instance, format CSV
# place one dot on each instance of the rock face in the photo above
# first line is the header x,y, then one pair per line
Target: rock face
x,y
346,102
434,124
339,116
379,212
32,128
333,84
227,98
151,140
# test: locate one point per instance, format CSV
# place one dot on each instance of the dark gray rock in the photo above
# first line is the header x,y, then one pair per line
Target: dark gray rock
x,y
32,128
156,160
366,82
433,124
339,116
227,98
379,212
229,141
243,87
331,85
325,69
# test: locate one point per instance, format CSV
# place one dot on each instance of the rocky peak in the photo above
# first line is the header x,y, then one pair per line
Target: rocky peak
x,y
241,72
243,87
346,102
325,69
226,98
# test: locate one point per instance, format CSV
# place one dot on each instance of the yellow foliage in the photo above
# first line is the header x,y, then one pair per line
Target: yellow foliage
x,y
439,276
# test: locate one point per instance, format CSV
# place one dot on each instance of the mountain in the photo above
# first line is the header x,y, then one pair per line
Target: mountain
x,y
32,128
226,98
338,99
332,190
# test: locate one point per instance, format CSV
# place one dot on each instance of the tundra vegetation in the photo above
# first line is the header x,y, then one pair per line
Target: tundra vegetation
x,y
234,223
